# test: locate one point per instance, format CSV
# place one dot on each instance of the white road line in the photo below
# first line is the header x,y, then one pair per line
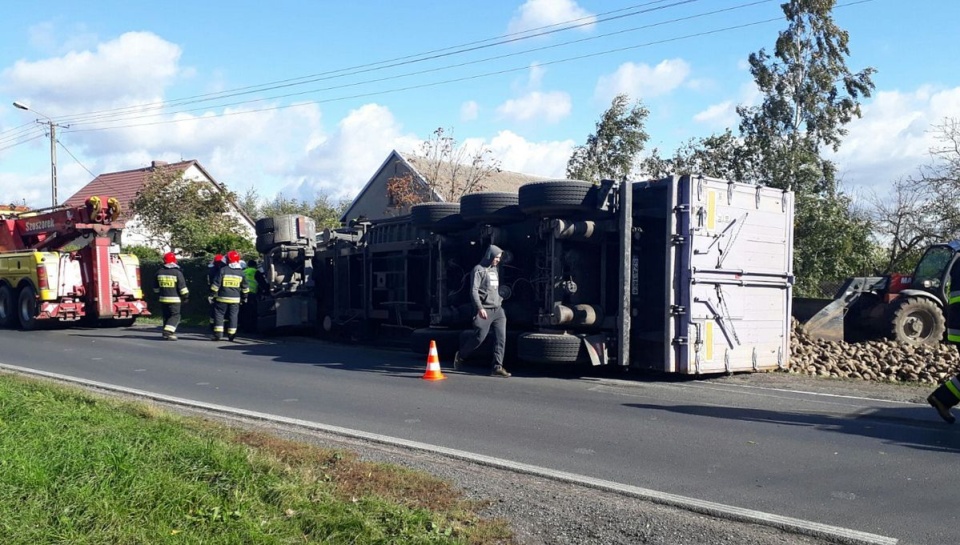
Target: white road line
x,y
800,526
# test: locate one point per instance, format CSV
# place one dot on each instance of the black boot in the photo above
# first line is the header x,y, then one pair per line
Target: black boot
x,y
942,399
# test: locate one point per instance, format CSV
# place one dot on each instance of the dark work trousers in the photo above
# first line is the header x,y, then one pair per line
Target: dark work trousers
x,y
171,318
230,311
497,320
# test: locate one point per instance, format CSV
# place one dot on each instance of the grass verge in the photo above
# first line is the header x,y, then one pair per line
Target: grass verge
x,y
81,469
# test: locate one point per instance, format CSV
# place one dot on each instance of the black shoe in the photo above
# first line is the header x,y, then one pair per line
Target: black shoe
x,y
499,371
231,337
216,338
170,337
457,362
942,409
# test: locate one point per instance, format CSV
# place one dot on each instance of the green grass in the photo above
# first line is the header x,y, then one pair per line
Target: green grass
x,y
80,469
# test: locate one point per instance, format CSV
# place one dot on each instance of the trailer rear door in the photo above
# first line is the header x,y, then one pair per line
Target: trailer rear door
x,y
730,275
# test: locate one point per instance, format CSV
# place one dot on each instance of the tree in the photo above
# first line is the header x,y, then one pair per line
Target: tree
x,y
720,156
183,214
323,210
449,169
809,96
612,151
923,209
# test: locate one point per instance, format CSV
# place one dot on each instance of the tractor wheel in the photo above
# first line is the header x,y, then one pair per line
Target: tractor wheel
x,y
8,306
28,308
917,321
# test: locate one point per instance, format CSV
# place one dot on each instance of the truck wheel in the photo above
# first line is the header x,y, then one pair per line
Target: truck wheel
x,y
8,306
491,208
265,242
551,348
558,196
264,226
28,308
917,321
429,213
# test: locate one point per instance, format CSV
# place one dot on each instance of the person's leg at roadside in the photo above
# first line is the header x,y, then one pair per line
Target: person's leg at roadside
x,y
499,319
481,327
171,319
233,316
220,310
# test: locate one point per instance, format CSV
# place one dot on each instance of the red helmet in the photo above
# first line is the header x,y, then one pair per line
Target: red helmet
x,y
169,257
218,258
233,257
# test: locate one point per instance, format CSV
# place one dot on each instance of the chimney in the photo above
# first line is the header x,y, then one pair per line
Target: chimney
x,y
155,164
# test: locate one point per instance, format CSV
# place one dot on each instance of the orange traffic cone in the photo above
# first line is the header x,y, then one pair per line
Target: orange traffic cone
x,y
433,364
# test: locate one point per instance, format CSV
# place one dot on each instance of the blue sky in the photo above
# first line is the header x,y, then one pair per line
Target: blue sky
x,y
301,98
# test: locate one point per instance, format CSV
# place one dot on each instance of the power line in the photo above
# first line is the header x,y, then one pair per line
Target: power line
x,y
147,115
399,61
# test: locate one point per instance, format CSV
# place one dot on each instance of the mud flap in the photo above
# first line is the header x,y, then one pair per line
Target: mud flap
x,y
596,346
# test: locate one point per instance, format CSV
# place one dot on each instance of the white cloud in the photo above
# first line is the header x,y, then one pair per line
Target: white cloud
x,y
551,106
548,159
469,110
642,80
343,162
723,114
134,68
893,137
540,13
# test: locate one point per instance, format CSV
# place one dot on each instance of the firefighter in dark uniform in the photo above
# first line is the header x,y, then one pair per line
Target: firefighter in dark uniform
x,y
171,288
213,270
229,290
948,394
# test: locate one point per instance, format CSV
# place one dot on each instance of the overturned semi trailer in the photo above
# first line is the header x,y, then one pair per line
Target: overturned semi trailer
x,y
684,274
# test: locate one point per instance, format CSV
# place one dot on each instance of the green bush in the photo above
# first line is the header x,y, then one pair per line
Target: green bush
x,y
197,310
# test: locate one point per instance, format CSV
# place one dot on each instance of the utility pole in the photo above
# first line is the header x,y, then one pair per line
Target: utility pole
x,y
52,125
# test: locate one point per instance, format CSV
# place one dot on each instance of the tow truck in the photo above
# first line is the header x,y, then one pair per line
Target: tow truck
x,y
63,264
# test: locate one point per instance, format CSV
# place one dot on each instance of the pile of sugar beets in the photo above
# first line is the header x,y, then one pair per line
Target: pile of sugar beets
x,y
876,360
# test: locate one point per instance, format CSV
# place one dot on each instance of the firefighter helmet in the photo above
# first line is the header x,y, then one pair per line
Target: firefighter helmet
x,y
169,257
233,256
217,258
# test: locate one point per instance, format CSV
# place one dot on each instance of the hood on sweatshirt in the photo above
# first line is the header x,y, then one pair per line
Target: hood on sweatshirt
x,y
492,252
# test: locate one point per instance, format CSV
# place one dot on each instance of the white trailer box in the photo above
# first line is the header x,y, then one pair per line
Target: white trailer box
x,y
711,277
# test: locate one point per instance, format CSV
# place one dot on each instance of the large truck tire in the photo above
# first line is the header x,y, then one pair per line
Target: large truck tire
x,y
917,321
27,308
551,348
264,225
265,242
8,306
438,217
491,208
558,197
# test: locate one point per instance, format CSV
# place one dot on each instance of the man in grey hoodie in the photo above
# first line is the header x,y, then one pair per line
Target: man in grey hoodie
x,y
487,304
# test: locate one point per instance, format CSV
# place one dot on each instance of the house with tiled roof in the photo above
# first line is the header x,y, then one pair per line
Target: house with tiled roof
x,y
374,202
126,184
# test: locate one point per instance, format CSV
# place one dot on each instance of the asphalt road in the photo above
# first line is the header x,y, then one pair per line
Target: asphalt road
x,y
874,466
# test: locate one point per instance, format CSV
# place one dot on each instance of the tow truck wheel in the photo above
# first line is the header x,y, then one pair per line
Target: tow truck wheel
x,y
28,308
8,306
917,321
